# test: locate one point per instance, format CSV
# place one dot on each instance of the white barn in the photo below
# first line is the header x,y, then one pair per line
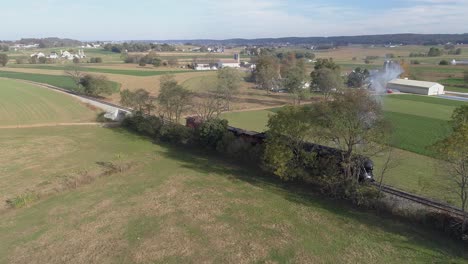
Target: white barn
x,y
416,87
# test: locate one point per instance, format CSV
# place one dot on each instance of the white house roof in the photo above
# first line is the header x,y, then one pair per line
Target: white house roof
x,y
413,83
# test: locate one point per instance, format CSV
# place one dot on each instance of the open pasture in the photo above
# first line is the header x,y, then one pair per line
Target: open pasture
x,y
26,104
176,205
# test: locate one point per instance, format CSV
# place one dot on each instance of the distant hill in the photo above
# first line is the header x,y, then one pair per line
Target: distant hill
x,y
406,39
46,42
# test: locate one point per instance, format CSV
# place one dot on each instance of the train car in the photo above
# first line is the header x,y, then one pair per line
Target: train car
x,y
327,157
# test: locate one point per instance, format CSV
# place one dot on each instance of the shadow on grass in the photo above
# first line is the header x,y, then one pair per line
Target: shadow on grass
x,y
209,162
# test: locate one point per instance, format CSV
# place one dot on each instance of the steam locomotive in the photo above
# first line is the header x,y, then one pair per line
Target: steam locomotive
x,y
326,157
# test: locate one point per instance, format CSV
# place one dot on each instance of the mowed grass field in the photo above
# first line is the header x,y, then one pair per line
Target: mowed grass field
x,y
175,205
26,104
418,122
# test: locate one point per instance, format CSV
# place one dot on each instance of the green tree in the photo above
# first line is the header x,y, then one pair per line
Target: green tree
x,y
96,85
357,78
173,99
444,62
323,64
212,131
3,59
295,81
353,122
465,76
229,81
140,100
434,52
460,117
267,72
327,81
288,131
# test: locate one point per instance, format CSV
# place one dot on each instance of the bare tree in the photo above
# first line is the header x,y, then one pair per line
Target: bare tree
x,y
209,107
388,164
228,84
454,151
76,73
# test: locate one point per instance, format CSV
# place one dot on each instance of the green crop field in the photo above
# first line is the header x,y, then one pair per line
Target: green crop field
x,y
64,82
102,70
175,205
25,104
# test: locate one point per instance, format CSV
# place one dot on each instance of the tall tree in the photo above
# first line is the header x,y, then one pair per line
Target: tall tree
x,y
353,122
357,78
327,81
173,99
75,72
229,81
267,72
3,59
295,82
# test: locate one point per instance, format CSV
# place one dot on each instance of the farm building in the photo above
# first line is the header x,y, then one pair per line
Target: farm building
x,y
230,63
416,87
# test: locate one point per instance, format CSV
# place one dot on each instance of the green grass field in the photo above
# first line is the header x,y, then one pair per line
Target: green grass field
x,y
25,104
64,82
175,205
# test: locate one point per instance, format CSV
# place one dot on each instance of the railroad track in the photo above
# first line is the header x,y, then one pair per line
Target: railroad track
x,y
422,200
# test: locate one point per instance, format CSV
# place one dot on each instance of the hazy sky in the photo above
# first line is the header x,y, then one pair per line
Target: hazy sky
x,y
220,19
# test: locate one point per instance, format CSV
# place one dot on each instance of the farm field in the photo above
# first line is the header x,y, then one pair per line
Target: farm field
x,y
418,122
26,104
86,68
61,81
176,205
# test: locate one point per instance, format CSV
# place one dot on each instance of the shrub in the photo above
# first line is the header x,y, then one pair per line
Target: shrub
x,y
22,200
443,62
96,60
175,133
211,132
415,62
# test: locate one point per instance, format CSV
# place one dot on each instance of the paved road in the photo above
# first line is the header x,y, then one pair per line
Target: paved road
x,y
455,98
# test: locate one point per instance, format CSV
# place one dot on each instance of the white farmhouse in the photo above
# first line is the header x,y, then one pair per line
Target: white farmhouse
x,y
416,87
53,55
38,55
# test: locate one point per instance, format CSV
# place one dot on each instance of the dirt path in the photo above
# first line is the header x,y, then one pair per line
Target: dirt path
x,y
52,125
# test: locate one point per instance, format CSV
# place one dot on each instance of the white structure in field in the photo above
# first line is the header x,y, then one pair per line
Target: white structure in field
x,y
38,55
455,62
70,56
416,87
230,63
205,67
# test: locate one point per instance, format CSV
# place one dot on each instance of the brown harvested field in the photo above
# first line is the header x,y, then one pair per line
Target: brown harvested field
x,y
247,98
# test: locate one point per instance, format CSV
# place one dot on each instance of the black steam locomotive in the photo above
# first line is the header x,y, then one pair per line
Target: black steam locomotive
x,y
326,157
